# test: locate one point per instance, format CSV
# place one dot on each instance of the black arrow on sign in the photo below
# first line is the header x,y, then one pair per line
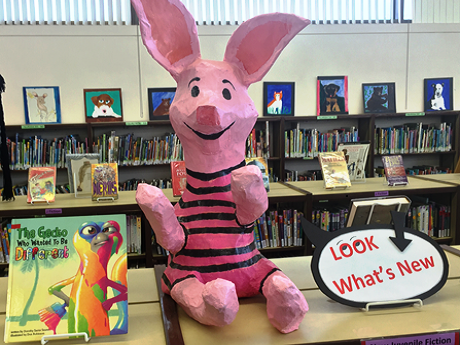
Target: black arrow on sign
x,y
398,221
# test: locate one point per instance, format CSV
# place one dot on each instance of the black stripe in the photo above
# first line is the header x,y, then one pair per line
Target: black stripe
x,y
204,253
166,281
206,230
268,275
210,203
208,190
214,175
218,268
206,216
181,280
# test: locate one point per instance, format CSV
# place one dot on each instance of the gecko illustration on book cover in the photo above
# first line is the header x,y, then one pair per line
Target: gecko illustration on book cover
x,y
67,275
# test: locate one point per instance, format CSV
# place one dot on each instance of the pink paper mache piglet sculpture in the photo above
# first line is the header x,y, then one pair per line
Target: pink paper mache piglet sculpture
x,y
209,232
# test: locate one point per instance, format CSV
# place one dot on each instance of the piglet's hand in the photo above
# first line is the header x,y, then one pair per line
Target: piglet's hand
x,y
160,214
249,194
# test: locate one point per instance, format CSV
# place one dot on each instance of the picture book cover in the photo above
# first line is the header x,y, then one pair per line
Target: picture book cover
x,y
67,275
262,164
394,170
41,184
334,169
178,177
79,171
356,157
104,177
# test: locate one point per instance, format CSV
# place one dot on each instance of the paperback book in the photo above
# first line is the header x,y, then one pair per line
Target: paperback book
x,y
395,172
356,157
79,171
104,177
334,169
178,177
41,185
67,275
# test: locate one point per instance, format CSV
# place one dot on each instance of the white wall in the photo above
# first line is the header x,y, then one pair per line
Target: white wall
x,y
79,57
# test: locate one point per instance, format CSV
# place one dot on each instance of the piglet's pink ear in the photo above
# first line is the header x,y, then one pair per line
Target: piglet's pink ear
x,y
169,33
257,43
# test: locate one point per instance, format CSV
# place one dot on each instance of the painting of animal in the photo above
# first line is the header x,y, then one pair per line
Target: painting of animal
x,y
378,99
438,94
276,105
42,104
103,105
160,100
209,232
332,94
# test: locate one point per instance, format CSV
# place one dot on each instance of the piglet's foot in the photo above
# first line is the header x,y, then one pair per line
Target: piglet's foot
x,y
286,306
214,303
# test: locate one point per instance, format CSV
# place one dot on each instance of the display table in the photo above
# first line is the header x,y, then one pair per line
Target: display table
x,y
327,320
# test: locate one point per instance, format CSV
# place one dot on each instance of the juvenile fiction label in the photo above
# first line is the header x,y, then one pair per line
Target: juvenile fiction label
x,y
136,123
32,126
450,338
327,117
415,114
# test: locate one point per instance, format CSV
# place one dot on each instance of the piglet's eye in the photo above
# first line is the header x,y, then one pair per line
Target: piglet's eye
x,y
227,95
195,91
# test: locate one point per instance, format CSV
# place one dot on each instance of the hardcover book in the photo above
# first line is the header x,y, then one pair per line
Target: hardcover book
x,y
79,171
376,210
356,157
41,185
394,170
334,169
67,275
178,177
104,177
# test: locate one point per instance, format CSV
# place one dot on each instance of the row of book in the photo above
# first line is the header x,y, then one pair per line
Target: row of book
x,y
36,151
133,183
330,218
309,175
134,233
307,143
131,150
432,219
258,143
413,138
278,229
5,233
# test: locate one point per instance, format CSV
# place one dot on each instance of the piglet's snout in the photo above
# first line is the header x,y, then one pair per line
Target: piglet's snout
x,y
207,115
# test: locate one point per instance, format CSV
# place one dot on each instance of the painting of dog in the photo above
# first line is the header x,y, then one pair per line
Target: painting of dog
x,y
438,94
332,95
103,105
279,98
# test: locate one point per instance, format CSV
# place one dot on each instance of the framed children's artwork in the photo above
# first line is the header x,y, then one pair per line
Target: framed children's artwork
x,y
103,105
279,98
160,100
379,98
332,95
42,104
438,94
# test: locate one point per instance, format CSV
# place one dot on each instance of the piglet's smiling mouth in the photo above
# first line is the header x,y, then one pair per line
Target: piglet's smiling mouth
x,y
210,136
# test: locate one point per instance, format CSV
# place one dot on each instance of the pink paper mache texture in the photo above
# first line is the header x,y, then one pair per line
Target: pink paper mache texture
x,y
209,234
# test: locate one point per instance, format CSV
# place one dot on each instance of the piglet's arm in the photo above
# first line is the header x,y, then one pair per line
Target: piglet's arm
x,y
249,194
160,214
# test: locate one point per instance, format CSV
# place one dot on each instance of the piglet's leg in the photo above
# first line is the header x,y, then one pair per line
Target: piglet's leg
x,y
249,194
160,214
214,303
286,305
